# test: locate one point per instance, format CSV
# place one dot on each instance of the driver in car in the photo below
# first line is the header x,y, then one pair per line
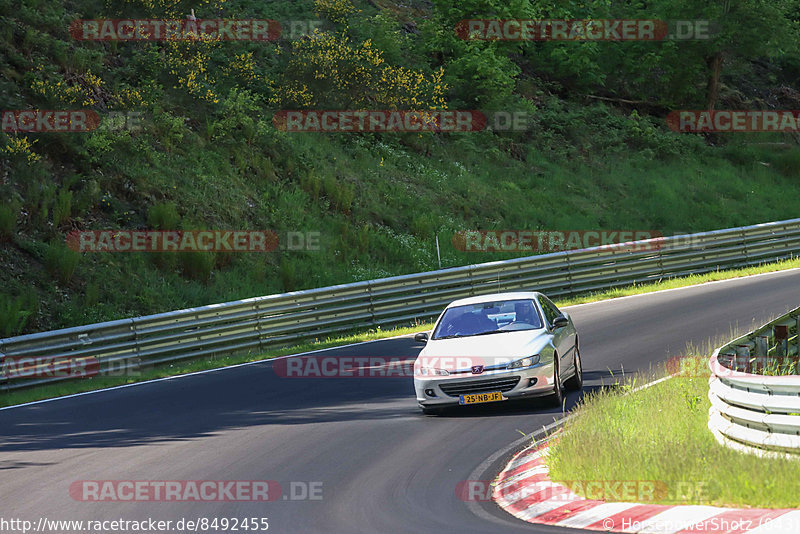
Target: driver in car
x,y
524,313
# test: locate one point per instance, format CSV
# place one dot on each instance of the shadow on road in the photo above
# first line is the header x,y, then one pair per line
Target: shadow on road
x,y
194,407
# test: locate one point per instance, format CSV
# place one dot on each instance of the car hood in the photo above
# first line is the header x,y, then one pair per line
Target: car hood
x,y
486,350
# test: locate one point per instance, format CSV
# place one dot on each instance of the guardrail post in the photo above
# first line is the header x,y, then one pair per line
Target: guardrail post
x,y
794,359
136,347
727,359
761,350
744,246
797,336
4,369
258,325
781,334
371,303
471,281
743,358
569,274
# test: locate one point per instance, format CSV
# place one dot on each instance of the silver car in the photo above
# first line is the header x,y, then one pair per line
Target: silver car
x,y
495,348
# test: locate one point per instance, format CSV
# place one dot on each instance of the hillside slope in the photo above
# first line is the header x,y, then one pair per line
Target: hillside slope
x,y
200,150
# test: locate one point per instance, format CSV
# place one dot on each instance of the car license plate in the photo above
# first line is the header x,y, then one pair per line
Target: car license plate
x,y
476,398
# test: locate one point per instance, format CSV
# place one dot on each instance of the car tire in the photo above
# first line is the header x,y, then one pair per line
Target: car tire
x,y
557,397
431,411
575,382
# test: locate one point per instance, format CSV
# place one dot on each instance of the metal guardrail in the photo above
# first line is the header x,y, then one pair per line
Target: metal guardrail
x,y
258,323
750,411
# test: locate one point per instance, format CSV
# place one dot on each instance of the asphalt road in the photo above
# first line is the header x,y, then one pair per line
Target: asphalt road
x,y
382,465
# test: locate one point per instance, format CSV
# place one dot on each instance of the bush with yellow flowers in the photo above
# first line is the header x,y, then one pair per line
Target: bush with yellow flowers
x,y
242,66
128,97
190,62
81,90
176,9
329,70
20,147
335,10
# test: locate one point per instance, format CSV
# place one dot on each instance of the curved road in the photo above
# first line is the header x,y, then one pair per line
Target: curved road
x,y
384,467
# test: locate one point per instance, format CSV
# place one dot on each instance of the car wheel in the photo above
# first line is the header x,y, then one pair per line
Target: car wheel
x,y
575,383
431,411
557,397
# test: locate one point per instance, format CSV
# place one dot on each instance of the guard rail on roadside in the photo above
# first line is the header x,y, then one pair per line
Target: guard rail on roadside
x,y
258,323
754,390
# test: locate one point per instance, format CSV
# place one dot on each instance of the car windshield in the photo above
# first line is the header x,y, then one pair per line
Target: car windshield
x,y
488,318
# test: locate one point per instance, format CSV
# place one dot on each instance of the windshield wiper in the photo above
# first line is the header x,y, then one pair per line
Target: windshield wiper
x,y
451,336
490,332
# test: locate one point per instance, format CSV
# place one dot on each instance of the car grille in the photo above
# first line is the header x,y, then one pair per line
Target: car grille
x,y
480,386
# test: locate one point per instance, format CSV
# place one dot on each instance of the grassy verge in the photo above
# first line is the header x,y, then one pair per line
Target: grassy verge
x,y
179,368
681,282
659,435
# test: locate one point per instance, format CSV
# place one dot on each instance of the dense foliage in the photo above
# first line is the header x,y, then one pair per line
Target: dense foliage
x,y
204,153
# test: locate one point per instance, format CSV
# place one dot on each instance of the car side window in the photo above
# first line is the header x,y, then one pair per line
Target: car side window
x,y
550,311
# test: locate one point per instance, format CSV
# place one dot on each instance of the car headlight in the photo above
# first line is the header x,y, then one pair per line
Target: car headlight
x,y
431,371
524,362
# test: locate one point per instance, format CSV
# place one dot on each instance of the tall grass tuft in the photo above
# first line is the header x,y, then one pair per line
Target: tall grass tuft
x,y
288,274
788,162
196,265
163,216
14,314
62,207
61,261
8,222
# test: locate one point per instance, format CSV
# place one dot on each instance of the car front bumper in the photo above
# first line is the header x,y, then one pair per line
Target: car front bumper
x,y
440,391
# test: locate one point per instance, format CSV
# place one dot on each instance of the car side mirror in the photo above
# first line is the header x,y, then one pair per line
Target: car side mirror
x,y
421,336
560,322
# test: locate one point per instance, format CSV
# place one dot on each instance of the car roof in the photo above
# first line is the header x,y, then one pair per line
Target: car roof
x,y
495,297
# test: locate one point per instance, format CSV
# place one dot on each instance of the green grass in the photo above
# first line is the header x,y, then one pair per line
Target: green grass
x,y
673,283
659,434
179,368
